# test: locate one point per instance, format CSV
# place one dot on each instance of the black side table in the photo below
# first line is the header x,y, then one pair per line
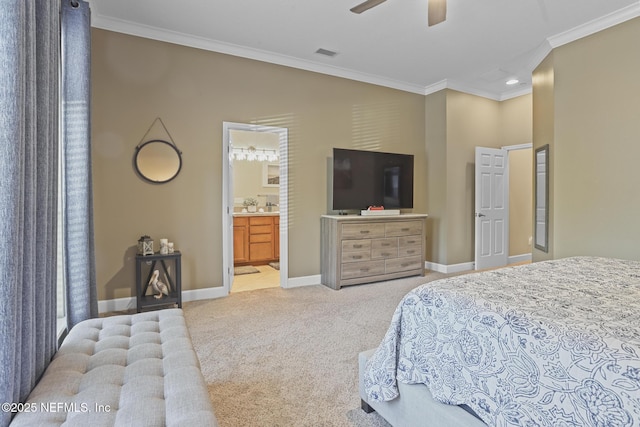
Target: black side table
x,y
145,301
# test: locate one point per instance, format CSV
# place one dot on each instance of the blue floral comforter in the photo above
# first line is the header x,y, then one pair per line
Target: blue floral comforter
x,y
554,343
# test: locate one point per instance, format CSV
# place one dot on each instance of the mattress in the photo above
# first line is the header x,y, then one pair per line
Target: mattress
x,y
550,343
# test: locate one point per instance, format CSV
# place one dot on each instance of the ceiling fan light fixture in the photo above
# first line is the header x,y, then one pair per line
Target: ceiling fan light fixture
x,y
437,9
437,12
366,5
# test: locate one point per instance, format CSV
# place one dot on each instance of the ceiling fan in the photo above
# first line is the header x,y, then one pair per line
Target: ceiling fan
x,y
437,9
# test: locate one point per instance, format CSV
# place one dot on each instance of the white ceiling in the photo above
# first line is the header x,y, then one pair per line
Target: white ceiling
x,y
480,45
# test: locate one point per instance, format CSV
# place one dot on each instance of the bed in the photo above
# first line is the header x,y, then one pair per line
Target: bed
x,y
553,343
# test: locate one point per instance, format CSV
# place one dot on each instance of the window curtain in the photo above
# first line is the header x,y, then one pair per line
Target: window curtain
x,y
29,54
82,301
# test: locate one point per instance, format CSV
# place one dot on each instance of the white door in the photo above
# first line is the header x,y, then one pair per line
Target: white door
x,y
227,214
227,199
492,208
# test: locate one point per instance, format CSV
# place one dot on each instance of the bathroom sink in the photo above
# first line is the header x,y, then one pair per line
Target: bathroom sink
x,y
256,213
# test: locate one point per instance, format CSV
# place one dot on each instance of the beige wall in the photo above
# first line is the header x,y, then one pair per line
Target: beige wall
x,y
544,134
595,149
136,80
471,121
436,185
516,120
516,129
520,202
456,124
584,104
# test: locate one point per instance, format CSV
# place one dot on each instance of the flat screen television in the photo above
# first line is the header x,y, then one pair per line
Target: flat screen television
x,y
371,178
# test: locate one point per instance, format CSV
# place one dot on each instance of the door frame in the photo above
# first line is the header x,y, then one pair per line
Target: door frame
x,y
227,202
507,148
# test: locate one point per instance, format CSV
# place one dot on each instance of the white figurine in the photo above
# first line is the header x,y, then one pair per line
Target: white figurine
x,y
158,286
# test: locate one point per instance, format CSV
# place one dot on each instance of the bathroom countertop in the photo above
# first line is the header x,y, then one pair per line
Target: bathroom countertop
x,y
274,213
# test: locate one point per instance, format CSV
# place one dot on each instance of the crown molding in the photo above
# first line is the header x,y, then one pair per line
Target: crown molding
x,y
523,90
598,24
154,33
438,86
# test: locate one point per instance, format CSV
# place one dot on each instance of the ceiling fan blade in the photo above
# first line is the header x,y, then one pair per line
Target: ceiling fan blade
x,y
437,11
366,5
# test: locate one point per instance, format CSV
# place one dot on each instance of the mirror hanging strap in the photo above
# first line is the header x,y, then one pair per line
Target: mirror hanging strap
x,y
144,140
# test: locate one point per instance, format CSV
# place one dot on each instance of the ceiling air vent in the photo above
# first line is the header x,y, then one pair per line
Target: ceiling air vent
x,y
326,52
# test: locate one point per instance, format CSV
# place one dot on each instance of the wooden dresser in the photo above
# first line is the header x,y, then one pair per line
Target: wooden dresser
x,y
360,249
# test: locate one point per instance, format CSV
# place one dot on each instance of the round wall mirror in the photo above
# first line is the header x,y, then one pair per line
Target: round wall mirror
x,y
158,161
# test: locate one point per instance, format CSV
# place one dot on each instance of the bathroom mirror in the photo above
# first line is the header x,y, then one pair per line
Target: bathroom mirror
x,y
158,161
541,229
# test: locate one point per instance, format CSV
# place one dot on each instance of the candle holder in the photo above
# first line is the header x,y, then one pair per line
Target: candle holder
x,y
145,245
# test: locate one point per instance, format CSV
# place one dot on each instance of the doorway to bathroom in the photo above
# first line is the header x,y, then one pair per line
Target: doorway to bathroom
x,y
254,206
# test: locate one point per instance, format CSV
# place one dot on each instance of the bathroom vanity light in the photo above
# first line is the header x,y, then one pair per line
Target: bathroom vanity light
x,y
255,154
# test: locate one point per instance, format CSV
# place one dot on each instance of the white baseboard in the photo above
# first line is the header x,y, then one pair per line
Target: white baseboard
x,y
118,304
296,282
207,293
453,268
123,304
520,258
468,266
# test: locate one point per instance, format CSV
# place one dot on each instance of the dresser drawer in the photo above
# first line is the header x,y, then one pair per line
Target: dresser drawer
x,y
356,245
361,269
362,231
384,248
384,253
410,241
384,243
403,228
409,250
404,264
356,256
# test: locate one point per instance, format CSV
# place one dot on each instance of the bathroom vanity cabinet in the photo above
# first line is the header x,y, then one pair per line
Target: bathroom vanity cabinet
x,y
256,238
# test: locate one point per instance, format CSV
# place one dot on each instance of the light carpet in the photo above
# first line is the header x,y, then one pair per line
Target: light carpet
x,y
280,358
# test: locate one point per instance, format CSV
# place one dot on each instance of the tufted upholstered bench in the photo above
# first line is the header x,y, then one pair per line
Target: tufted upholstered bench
x,y
130,370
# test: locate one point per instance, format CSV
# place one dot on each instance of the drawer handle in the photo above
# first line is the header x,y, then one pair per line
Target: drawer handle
x,y
386,254
364,231
411,252
386,244
364,270
357,246
405,229
357,257
405,264
410,242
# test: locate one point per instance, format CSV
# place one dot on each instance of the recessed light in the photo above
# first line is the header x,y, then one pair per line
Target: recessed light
x,y
513,82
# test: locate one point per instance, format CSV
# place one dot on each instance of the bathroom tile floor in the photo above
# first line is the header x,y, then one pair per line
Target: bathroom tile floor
x,y
268,277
